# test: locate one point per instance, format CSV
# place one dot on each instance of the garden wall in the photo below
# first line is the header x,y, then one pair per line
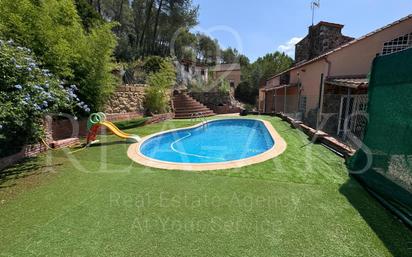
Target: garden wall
x,y
126,99
60,134
218,102
212,98
159,118
225,109
26,152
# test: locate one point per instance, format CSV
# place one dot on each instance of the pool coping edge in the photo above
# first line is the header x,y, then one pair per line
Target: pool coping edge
x,y
278,148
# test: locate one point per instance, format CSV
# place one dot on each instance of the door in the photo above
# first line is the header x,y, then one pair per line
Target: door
x,y
353,115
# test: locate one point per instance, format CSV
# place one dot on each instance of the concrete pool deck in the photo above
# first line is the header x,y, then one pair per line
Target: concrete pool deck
x,y
278,148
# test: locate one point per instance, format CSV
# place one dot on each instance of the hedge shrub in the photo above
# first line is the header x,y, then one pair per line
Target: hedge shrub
x,y
27,94
160,83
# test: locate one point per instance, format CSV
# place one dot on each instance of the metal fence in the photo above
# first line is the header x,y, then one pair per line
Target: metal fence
x,y
341,115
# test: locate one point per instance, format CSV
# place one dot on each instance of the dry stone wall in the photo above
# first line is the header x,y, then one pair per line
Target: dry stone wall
x,y
126,99
211,99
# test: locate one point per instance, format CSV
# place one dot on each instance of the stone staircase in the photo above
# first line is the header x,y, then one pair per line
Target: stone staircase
x,y
186,107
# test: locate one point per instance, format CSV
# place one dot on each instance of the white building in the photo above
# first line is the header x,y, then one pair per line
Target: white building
x,y
189,71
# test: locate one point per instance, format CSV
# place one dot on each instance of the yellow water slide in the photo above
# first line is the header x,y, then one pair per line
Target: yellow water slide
x,y
113,128
99,119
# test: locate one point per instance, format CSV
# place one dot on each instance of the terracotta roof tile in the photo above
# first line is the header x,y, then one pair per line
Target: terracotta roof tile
x,y
348,81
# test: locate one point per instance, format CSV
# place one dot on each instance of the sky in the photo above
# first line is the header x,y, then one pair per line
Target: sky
x,y
259,27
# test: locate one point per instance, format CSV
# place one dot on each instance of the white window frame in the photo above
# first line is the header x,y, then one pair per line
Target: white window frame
x,y
398,44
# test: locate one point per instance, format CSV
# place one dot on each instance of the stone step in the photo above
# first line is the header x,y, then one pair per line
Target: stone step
x,y
185,107
189,105
185,101
183,98
194,109
189,116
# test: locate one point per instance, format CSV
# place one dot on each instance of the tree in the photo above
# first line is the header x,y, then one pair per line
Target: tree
x,y
230,55
159,9
146,23
258,72
185,45
207,49
56,34
243,60
89,17
147,27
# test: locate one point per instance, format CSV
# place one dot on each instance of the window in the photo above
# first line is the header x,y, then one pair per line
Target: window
x,y
202,72
187,67
397,44
232,83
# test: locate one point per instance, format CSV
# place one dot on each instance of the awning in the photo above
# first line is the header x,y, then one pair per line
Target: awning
x,y
348,81
279,87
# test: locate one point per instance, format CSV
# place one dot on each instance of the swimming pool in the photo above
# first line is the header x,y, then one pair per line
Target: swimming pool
x,y
224,143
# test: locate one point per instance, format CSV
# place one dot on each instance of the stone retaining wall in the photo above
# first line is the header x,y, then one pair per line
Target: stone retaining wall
x,y
211,99
26,152
225,109
159,118
219,103
126,99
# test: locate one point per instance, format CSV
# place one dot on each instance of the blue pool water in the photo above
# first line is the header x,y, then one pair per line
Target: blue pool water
x,y
217,141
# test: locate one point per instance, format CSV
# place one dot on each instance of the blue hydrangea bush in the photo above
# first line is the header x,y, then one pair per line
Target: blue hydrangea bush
x,y
28,93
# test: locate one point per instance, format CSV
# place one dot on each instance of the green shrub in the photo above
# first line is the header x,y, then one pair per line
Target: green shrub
x,y
128,124
246,93
153,64
198,85
89,16
223,86
156,99
134,72
54,31
27,94
93,72
249,107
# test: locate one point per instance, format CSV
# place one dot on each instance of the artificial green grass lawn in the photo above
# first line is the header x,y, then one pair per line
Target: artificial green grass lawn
x,y
96,202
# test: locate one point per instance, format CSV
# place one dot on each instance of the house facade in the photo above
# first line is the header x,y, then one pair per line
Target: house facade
x,y
307,89
230,72
189,71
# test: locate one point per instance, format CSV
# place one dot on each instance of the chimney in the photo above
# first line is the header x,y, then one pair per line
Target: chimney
x,y
321,38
